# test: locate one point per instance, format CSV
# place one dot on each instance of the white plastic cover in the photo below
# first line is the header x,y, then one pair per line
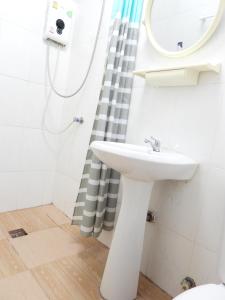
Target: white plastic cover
x,y
62,10
204,292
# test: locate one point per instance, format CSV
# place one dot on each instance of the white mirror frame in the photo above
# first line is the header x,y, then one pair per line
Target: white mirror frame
x,y
196,46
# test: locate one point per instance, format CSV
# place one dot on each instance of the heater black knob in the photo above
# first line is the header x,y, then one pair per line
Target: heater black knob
x,y
60,26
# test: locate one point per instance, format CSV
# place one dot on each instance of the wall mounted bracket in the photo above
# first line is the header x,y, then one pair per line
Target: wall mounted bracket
x,y
183,75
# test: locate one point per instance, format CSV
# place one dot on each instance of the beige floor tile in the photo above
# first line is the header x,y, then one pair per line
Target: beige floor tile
x,y
7,223
31,220
55,215
10,262
41,247
74,232
68,279
2,235
78,277
147,290
21,286
93,265
98,252
64,265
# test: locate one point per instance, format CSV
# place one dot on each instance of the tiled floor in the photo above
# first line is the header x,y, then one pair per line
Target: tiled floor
x,y
53,261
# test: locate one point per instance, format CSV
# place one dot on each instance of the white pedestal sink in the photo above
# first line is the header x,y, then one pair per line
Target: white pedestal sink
x,y
140,168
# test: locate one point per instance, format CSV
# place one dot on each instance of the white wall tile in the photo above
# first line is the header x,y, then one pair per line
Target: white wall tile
x,y
15,50
39,151
13,100
25,153
170,260
37,70
210,231
203,267
181,204
65,189
33,105
48,187
149,239
24,189
10,191
31,189
11,139
218,156
25,13
24,148
146,110
196,108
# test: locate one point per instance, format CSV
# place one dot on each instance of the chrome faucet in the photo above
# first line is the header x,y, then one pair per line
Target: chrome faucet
x,y
154,143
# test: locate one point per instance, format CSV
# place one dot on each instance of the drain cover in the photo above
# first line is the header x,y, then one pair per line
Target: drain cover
x,y
17,233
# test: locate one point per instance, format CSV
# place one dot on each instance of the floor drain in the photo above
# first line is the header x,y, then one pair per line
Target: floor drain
x,y
17,233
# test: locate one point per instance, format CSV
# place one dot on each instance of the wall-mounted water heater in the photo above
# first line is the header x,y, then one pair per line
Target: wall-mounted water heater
x,y
59,22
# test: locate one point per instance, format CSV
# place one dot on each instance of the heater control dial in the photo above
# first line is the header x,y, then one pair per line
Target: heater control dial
x,y
60,26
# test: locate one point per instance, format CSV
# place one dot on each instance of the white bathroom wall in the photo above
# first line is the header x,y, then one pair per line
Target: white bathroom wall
x,y
186,239
27,156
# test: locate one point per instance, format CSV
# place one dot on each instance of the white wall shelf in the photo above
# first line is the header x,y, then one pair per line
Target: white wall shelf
x,y
186,75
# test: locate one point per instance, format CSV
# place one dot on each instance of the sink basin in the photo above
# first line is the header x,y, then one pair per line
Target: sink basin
x,y
137,162
140,168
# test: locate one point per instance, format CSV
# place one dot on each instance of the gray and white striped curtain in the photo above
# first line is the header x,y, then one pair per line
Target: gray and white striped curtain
x,y
95,206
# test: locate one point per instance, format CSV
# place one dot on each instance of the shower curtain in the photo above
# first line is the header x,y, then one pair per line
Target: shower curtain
x,y
95,207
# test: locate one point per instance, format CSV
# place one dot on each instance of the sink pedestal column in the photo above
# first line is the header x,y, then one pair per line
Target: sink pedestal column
x,y
121,275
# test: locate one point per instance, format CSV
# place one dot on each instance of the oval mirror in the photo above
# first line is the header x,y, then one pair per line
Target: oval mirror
x,y
178,28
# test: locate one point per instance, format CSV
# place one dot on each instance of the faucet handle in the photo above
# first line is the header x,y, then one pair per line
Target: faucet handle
x,y
154,142
147,141
152,139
